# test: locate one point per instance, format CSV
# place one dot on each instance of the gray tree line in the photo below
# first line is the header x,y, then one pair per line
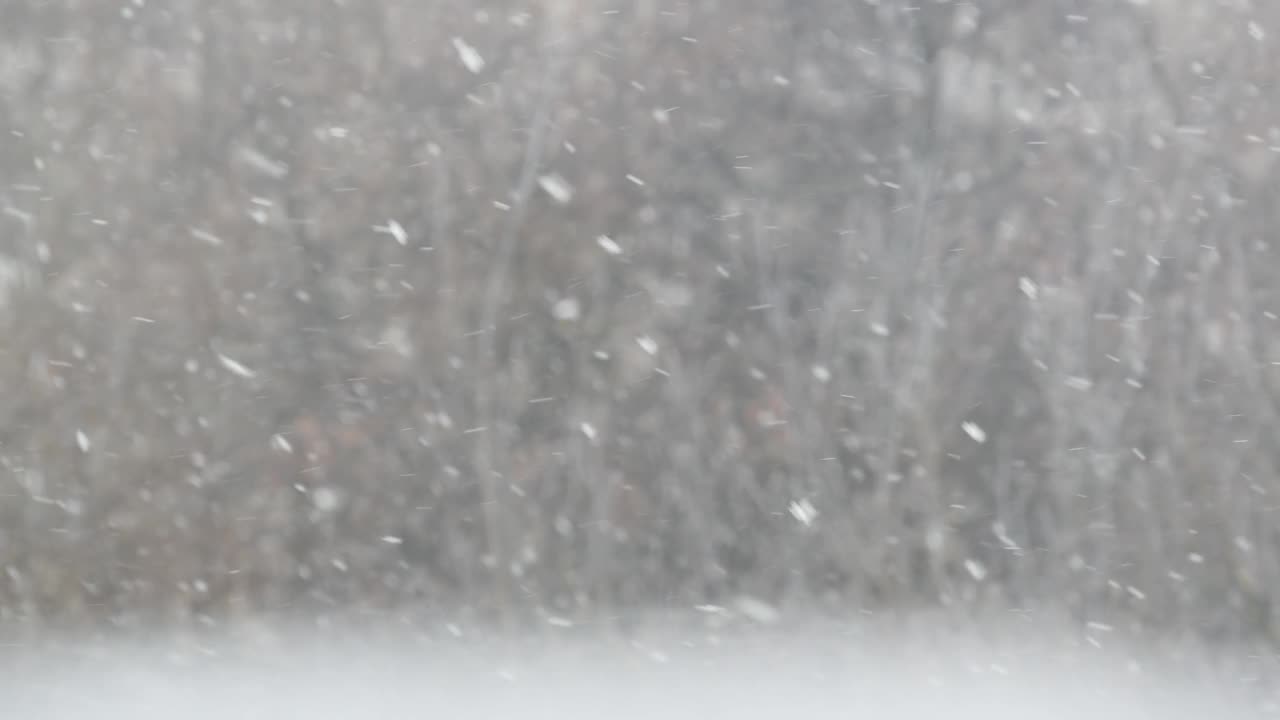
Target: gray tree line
x,y
562,308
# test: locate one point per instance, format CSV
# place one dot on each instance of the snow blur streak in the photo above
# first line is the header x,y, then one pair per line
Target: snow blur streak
x,y
397,232
608,245
235,367
469,56
974,431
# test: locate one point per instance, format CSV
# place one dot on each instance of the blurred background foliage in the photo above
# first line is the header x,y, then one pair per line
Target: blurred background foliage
x,y
565,308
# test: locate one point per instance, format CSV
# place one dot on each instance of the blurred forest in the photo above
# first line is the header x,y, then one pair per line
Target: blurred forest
x,y
562,308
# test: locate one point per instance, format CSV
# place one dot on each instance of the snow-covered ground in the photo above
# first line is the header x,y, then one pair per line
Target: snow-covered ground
x,y
768,673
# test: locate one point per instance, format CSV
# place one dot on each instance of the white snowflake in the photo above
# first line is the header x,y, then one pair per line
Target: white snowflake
x,y
235,367
469,56
1028,288
974,431
607,244
557,187
567,309
803,511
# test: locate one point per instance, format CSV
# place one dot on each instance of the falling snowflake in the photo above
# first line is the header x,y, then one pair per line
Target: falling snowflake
x,y
803,511
557,187
326,499
469,56
235,367
395,230
260,162
974,431
975,569
1028,288
1076,382
607,244
758,610
567,309
205,236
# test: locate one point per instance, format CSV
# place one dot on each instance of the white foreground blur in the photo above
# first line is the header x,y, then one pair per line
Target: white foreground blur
x,y
742,675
